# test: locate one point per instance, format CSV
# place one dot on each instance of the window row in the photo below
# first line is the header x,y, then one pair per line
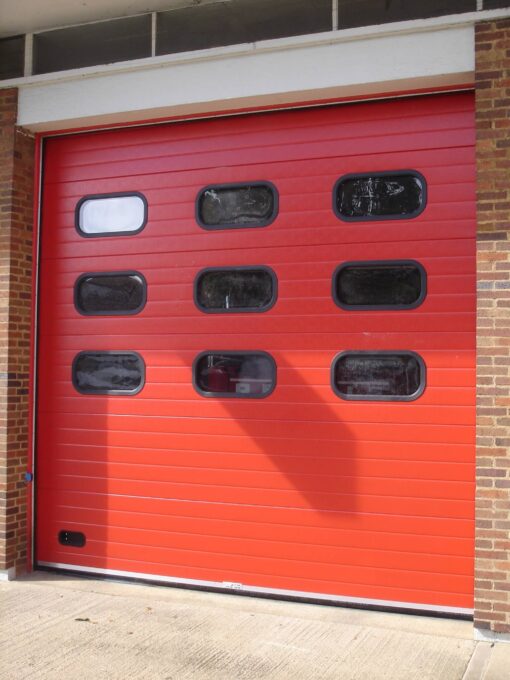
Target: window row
x,y
361,197
361,376
199,25
388,284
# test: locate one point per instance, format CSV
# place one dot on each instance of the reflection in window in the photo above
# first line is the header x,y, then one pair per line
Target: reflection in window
x,y
235,290
108,372
116,293
231,206
113,214
387,376
380,196
384,285
235,374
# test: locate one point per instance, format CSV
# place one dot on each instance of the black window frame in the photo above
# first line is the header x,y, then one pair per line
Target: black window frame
x,y
237,310
240,185
119,393
381,173
116,194
112,274
376,263
367,397
232,395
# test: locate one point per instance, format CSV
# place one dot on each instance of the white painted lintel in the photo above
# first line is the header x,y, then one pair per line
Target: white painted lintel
x,y
277,73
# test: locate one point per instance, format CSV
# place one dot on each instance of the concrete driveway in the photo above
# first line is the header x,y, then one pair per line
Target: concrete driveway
x,y
55,626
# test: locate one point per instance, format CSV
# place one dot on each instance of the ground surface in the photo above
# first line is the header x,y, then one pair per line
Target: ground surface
x,y
54,626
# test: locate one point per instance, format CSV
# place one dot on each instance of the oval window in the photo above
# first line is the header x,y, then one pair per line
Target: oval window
x,y
231,206
111,214
110,293
234,374
108,372
380,196
378,376
235,289
388,284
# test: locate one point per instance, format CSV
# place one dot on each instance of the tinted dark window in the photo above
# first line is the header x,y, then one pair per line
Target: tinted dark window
x,y
101,42
119,293
495,4
238,21
380,285
235,290
352,13
380,196
12,56
386,376
235,374
108,372
236,205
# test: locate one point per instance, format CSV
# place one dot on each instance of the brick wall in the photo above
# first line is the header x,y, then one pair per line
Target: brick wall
x,y
16,218
492,568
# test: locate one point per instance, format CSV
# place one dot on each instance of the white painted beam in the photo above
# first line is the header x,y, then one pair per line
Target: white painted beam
x,y
276,72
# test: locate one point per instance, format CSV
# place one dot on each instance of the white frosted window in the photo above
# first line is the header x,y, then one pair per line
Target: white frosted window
x,y
112,214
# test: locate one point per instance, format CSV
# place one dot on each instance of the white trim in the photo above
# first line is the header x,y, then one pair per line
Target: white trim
x,y
154,26
334,15
484,635
28,56
277,592
236,78
8,574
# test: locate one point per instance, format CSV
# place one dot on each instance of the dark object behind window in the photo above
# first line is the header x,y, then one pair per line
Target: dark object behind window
x,y
236,289
352,13
115,293
108,372
239,21
73,538
379,285
92,44
234,374
236,205
378,376
12,57
380,195
495,4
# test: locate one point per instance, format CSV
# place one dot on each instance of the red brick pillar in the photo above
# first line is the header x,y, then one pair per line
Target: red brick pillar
x,y
492,566
16,220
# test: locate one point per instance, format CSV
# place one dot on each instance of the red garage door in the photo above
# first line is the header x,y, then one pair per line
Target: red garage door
x,y
256,360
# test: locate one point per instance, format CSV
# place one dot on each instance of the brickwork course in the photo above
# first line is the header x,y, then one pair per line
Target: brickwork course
x,y
16,220
492,547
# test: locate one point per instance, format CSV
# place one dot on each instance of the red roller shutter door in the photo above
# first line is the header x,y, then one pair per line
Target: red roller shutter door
x,y
302,490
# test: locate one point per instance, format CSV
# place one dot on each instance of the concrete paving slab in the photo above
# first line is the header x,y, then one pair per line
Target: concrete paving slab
x,y
498,666
54,626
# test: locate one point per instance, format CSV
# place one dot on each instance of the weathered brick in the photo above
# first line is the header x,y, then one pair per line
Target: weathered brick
x,y
492,548
16,216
